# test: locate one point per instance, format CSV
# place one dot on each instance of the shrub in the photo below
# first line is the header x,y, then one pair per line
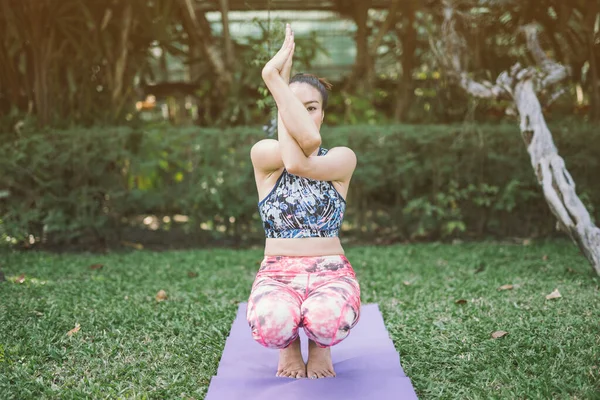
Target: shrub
x,y
412,181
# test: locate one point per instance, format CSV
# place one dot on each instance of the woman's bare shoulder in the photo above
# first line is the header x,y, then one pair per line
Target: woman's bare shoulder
x,y
342,151
266,155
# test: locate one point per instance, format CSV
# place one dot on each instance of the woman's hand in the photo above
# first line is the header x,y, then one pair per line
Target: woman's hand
x,y
286,71
281,63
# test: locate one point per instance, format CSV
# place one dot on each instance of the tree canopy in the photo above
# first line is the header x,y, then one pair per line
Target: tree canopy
x,y
65,62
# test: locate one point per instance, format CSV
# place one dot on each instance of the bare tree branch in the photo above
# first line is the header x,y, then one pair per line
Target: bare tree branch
x,y
450,51
554,72
533,44
387,24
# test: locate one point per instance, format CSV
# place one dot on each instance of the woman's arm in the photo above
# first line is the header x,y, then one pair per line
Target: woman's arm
x,y
269,155
294,115
297,133
292,154
337,165
266,156
292,112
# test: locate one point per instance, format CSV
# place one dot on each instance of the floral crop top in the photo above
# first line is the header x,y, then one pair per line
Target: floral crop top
x,y
299,207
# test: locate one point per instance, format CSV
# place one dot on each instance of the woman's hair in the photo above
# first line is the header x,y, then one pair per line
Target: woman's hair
x,y
320,84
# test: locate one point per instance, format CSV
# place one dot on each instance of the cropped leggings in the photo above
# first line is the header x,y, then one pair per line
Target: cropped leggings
x,y
320,294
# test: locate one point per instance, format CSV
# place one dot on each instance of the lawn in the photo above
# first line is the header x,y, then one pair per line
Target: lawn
x,y
441,304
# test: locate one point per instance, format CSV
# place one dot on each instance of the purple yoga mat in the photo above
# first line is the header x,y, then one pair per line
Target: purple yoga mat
x,y
360,387
366,364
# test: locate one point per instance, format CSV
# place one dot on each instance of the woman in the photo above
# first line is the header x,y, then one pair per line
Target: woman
x,y
304,279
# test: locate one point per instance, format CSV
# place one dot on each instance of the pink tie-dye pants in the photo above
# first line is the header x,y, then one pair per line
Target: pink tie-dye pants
x,y
320,294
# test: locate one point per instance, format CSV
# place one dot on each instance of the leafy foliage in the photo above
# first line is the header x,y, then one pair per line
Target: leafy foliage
x,y
412,182
67,63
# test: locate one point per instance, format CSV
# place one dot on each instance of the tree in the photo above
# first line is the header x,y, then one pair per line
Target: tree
x,y
200,36
522,85
72,61
409,46
361,78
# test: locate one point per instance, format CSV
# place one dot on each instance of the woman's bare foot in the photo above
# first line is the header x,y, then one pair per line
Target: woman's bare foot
x,y
319,362
291,364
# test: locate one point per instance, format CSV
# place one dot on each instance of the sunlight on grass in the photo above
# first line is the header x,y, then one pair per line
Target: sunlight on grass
x,y
21,280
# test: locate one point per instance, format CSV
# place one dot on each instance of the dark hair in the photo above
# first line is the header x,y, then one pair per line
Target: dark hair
x,y
318,83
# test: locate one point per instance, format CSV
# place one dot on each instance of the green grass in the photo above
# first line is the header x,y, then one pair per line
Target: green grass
x,y
130,345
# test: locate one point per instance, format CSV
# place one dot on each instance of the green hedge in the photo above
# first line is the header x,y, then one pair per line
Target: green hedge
x,y
412,182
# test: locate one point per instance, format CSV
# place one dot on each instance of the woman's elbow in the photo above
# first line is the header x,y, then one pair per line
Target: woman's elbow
x,y
315,139
295,168
311,144
298,168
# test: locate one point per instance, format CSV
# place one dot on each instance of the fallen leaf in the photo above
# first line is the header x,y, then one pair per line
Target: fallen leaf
x,y
161,295
441,262
526,242
395,303
481,268
545,258
506,287
21,278
96,266
192,274
554,295
460,301
407,283
499,334
74,330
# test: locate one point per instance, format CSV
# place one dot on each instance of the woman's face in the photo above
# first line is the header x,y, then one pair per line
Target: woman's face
x,y
312,100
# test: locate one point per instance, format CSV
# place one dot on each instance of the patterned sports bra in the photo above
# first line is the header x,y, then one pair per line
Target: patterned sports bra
x,y
299,207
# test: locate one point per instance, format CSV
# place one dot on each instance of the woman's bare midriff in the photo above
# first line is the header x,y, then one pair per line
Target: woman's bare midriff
x,y
308,247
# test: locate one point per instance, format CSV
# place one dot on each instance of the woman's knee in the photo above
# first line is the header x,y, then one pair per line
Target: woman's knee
x,y
327,320
273,319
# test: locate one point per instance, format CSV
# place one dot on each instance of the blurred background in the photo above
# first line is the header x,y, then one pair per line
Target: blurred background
x,y
129,123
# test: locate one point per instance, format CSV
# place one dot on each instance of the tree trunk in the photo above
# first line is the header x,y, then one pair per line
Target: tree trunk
x,y
40,85
10,79
361,78
121,61
521,84
590,22
41,47
163,67
226,34
409,45
552,175
199,33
